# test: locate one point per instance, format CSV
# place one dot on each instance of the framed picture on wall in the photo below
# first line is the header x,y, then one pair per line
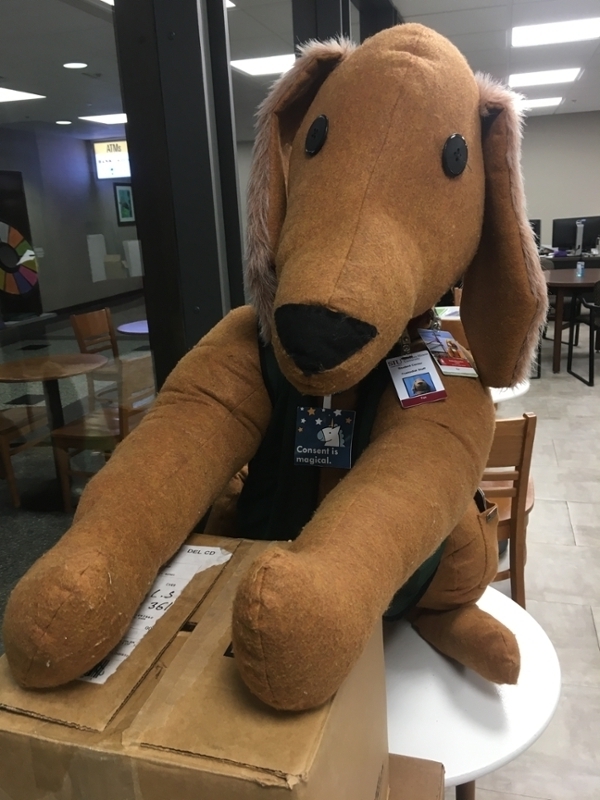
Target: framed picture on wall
x,y
124,202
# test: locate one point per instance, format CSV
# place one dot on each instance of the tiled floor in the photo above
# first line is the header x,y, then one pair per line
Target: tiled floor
x,y
563,569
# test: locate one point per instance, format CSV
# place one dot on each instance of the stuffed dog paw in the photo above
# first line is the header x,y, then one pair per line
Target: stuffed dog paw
x,y
382,175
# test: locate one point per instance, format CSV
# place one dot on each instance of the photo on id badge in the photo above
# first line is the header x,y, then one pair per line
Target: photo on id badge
x,y
419,384
323,437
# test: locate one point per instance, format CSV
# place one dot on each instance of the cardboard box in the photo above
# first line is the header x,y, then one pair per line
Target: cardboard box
x,y
175,722
415,779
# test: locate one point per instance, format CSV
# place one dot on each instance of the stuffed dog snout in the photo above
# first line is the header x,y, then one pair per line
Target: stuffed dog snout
x,y
318,339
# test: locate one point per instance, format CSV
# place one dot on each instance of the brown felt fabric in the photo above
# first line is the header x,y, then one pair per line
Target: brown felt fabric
x,y
503,302
475,639
370,227
297,630
385,249
469,563
76,602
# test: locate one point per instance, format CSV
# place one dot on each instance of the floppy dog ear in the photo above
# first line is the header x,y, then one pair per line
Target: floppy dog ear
x,y
278,120
504,300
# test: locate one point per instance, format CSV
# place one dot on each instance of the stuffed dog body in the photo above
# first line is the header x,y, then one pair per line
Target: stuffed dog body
x,y
366,159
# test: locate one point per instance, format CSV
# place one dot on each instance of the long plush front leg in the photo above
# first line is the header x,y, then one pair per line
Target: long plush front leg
x,y
76,602
302,616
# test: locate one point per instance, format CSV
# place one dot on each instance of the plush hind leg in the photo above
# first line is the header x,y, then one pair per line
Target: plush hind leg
x,y
447,616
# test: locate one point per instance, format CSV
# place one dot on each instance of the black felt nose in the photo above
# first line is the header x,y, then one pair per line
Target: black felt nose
x,y
319,339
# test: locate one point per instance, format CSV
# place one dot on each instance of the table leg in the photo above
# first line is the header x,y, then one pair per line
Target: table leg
x,y
466,791
53,404
558,323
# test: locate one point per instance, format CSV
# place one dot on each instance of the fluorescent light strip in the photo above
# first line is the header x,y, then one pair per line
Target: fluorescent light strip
x,y
575,30
543,78
10,95
109,2
541,102
270,65
63,122
75,65
107,119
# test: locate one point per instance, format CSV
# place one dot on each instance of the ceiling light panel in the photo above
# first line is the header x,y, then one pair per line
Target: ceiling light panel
x,y
544,78
577,30
541,102
74,65
107,119
10,95
270,65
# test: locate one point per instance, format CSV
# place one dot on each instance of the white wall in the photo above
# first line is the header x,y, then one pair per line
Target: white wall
x,y
561,165
244,159
65,203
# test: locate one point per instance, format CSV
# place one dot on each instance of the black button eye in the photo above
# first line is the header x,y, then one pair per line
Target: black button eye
x,y
455,155
317,133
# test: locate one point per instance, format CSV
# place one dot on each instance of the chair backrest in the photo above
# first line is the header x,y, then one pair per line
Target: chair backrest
x,y
95,332
506,477
509,461
137,388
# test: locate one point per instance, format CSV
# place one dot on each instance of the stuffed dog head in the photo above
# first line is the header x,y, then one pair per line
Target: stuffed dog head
x,y
382,174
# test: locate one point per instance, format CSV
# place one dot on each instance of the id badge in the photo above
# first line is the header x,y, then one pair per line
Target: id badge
x,y
324,437
416,379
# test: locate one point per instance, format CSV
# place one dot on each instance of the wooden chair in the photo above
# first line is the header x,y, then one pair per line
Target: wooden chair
x,y
95,333
507,482
16,425
102,430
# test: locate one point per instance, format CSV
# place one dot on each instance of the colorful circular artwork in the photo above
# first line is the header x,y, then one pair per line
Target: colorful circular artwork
x,y
18,264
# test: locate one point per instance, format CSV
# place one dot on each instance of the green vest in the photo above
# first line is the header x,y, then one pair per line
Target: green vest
x,y
279,498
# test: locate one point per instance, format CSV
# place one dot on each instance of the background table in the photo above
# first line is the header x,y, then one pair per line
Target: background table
x,y
140,327
49,370
564,281
442,711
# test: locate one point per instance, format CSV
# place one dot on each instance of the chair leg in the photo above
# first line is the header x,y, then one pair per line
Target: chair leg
x,y
61,458
9,473
91,393
466,791
592,352
571,343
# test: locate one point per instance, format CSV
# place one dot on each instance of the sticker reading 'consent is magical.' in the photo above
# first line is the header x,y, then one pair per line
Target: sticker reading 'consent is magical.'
x,y
324,437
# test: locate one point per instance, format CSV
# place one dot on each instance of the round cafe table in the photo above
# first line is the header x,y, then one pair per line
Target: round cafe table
x,y
562,282
441,711
138,328
49,370
511,392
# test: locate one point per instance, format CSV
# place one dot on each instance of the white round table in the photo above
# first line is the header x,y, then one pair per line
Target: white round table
x,y
500,395
138,328
442,711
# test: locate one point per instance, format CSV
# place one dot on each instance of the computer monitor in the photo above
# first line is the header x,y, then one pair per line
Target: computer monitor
x,y
536,227
591,232
564,233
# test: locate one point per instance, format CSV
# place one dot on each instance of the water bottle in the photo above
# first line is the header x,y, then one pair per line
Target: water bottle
x,y
579,269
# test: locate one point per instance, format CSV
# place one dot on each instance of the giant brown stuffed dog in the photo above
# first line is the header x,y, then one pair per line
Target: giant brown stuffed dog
x,y
358,223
